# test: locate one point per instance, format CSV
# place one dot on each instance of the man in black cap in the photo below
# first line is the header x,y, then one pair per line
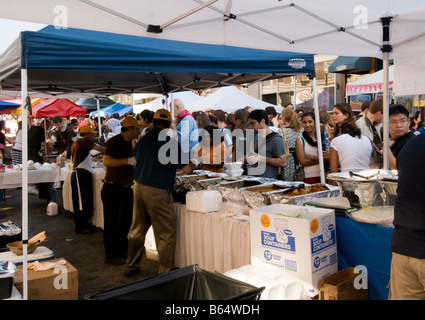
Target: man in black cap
x,y
117,192
82,181
157,157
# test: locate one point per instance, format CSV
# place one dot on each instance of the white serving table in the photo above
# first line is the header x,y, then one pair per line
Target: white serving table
x,y
13,179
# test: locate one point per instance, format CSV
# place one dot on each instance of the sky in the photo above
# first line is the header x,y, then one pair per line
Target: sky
x,y
10,29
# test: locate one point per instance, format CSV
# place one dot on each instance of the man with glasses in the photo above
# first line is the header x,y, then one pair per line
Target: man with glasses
x,y
399,132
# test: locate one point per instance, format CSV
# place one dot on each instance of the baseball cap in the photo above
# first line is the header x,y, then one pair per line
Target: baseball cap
x,y
162,114
86,129
130,122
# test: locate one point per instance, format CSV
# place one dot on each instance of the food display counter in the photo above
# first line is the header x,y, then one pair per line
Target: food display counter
x,y
12,177
221,243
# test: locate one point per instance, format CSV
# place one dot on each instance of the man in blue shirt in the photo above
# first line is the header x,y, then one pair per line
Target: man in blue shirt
x,y
186,127
157,157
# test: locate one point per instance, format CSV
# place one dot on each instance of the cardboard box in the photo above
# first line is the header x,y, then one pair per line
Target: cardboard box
x,y
60,283
295,239
340,286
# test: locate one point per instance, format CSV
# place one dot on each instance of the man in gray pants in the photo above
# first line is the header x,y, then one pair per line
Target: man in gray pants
x,y
154,177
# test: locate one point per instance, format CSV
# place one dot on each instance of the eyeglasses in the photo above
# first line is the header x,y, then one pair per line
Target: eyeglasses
x,y
395,122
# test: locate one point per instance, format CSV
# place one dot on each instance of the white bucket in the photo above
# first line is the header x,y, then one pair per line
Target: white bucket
x,y
52,209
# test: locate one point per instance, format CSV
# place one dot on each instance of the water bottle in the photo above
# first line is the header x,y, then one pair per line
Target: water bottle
x,y
327,142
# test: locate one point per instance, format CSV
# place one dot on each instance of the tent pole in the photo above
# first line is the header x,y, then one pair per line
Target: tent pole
x,y
98,116
386,49
45,137
386,102
318,132
24,91
172,106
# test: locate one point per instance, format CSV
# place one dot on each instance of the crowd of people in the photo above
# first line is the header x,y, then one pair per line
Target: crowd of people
x,y
143,152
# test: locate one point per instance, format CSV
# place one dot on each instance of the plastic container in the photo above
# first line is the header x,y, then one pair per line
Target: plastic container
x,y
204,200
7,272
52,209
233,165
189,283
234,173
9,232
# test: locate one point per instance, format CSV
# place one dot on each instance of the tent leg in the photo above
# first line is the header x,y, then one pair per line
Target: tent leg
x,y
386,49
318,132
386,103
24,91
172,106
98,116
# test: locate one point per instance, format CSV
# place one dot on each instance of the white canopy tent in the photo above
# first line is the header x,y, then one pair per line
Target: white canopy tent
x,y
229,99
383,28
163,102
370,84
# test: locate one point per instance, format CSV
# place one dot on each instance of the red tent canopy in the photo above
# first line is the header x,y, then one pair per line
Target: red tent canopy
x,y
57,107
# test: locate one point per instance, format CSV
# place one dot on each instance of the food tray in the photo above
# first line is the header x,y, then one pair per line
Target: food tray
x,y
361,192
285,198
374,215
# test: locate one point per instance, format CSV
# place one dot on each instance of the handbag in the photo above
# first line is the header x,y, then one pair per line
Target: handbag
x,y
376,159
299,173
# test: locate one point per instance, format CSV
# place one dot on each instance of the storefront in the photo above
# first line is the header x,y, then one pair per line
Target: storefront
x,y
332,75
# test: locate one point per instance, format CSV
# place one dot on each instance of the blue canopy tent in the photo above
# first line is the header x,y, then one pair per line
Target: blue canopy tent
x,y
125,110
107,111
74,62
4,105
80,62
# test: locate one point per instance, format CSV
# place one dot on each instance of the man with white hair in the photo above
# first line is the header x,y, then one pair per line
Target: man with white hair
x,y
186,127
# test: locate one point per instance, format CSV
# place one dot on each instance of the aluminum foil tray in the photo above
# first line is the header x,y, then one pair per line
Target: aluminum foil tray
x,y
231,191
367,187
279,197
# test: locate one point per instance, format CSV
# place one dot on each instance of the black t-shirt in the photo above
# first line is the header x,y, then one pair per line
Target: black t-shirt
x,y
35,137
81,150
2,138
400,142
157,160
409,211
64,140
118,148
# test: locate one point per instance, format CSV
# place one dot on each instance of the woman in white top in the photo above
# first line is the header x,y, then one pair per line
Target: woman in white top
x,y
306,149
349,148
17,146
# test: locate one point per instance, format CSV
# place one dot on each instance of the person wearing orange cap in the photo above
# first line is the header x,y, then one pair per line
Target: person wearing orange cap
x,y
117,192
158,156
81,179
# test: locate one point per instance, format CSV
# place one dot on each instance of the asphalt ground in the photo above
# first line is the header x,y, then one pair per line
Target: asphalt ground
x,y
84,251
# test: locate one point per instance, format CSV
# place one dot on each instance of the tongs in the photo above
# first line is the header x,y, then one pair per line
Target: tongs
x,y
290,189
351,173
